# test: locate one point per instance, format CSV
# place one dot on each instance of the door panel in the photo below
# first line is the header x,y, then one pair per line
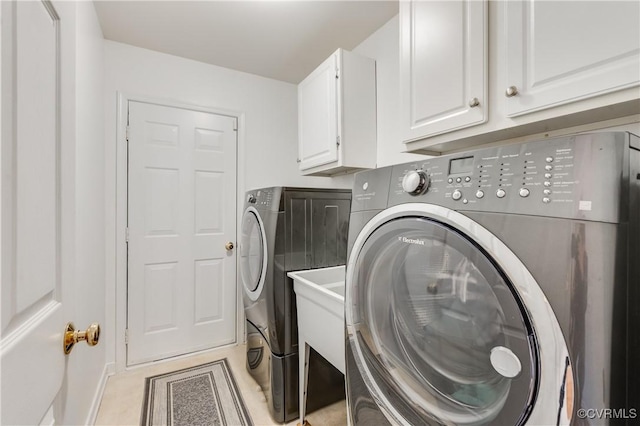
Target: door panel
x,y
31,357
443,66
318,115
253,253
450,276
182,186
558,54
449,332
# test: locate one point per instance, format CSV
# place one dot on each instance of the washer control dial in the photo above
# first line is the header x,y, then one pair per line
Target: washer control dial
x,y
456,195
415,182
251,199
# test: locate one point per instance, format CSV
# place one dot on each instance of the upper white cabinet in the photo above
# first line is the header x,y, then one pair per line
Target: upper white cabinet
x,y
337,116
443,57
559,52
549,67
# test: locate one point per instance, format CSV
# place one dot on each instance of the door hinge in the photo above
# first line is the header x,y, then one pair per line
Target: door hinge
x,y
337,141
127,133
126,336
126,234
235,125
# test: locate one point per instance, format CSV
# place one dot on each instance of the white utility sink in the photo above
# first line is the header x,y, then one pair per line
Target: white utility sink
x,y
320,306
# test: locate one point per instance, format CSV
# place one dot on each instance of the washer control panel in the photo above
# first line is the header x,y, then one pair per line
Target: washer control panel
x,y
576,176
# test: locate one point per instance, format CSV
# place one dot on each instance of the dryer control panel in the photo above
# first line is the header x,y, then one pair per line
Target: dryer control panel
x,y
261,198
578,177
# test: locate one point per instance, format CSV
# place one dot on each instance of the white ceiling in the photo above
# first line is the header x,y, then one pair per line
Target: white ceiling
x,y
284,40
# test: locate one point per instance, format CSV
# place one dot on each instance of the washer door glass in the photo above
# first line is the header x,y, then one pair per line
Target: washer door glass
x,y
251,251
439,327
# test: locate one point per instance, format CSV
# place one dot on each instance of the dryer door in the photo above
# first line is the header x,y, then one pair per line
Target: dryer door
x,y
253,253
440,332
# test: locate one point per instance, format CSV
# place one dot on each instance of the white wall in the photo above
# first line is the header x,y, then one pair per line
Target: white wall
x,y
384,47
268,151
79,397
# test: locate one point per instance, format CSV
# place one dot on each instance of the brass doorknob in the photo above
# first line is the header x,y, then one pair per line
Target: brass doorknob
x,y
229,246
72,336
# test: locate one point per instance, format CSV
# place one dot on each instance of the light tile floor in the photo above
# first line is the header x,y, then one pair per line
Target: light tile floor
x,y
122,400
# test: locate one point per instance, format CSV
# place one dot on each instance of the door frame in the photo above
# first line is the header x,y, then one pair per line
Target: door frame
x,y
118,305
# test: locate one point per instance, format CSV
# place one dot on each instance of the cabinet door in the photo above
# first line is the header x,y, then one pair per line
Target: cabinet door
x,y
560,52
318,116
443,66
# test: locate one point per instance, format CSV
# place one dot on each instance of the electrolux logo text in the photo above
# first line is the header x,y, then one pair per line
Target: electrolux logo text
x,y
411,241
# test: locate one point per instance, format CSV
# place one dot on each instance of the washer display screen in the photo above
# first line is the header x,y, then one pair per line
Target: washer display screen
x,y
461,165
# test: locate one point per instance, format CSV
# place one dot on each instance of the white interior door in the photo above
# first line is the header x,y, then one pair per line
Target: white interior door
x,y
31,356
182,213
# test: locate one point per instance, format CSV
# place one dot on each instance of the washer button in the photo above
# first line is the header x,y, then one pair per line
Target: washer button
x,y
450,180
547,175
480,193
547,183
500,193
546,200
546,192
549,159
524,192
467,179
458,180
548,167
465,201
456,195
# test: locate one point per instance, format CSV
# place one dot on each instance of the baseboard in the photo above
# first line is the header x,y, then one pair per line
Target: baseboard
x,y
109,370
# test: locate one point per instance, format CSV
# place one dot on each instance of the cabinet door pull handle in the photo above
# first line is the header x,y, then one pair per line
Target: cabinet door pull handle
x,y
474,102
511,91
